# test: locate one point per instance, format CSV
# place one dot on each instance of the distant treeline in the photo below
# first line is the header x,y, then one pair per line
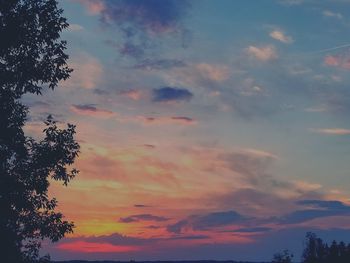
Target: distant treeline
x,y
315,251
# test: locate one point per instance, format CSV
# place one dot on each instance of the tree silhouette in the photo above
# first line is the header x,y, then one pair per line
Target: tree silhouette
x,y
283,257
316,251
31,57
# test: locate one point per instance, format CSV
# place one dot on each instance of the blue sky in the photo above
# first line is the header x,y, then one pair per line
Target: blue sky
x,y
208,128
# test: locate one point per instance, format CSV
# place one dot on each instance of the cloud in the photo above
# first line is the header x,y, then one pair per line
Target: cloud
x,y
250,163
87,72
152,16
141,21
94,7
91,110
340,61
207,221
332,131
328,13
175,120
265,53
291,2
159,64
75,27
142,217
318,209
131,94
171,94
281,36
141,206
252,229
213,72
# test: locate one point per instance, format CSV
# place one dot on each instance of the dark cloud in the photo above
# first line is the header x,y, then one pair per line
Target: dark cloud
x,y
91,110
318,209
158,64
177,227
149,16
252,229
85,107
132,50
142,217
100,92
168,94
205,222
140,21
181,118
190,237
141,206
151,146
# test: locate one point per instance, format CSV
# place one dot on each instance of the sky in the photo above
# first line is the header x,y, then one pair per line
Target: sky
x,y
208,129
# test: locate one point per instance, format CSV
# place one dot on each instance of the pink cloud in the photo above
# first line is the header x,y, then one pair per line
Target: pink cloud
x,y
93,7
132,94
87,72
265,53
337,61
213,72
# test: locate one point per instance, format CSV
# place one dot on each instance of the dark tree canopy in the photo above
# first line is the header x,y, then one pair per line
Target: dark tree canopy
x,y
31,52
32,57
283,257
317,251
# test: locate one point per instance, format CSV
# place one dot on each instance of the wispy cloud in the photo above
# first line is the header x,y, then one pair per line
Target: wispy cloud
x,y
143,217
91,110
164,120
281,36
207,221
140,21
332,131
87,72
328,13
159,64
131,94
264,53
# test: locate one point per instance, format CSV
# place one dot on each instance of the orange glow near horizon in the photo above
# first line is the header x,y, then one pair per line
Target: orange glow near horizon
x,y
92,247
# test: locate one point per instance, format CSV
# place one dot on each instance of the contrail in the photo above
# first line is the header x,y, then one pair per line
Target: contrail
x,y
330,49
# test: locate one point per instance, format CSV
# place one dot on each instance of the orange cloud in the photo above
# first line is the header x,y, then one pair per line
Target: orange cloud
x,y
92,247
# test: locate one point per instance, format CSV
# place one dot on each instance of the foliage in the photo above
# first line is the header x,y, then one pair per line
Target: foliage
x,y
283,257
316,251
31,57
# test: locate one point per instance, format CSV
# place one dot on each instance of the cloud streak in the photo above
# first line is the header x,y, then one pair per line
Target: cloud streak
x,y
332,131
91,110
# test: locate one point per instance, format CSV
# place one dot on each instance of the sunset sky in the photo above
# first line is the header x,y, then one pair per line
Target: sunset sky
x,y
208,129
